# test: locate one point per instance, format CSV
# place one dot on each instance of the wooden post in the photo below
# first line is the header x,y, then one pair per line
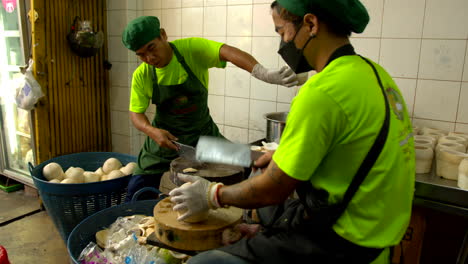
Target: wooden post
x,y
41,118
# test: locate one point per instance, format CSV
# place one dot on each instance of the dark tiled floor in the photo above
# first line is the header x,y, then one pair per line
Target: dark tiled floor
x,y
33,238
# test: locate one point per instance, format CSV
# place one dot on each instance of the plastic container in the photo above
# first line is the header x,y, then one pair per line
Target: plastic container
x,y
69,204
85,231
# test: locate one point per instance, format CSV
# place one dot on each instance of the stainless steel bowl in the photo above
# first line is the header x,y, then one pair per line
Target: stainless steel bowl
x,y
275,125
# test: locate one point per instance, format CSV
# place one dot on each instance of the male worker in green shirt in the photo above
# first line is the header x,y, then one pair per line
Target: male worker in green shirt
x,y
347,149
174,76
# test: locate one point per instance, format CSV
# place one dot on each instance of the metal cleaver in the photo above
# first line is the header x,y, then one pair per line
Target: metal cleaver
x,y
185,151
218,150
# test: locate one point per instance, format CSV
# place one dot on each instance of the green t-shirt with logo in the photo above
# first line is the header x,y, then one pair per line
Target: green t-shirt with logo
x,y
200,55
332,124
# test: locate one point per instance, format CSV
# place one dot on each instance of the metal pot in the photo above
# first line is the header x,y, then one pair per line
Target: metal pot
x,y
275,125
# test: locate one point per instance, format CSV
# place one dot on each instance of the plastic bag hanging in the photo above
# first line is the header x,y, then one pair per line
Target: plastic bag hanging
x,y
27,89
83,41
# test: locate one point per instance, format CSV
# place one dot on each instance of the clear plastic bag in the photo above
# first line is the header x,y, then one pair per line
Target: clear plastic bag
x,y
92,254
27,89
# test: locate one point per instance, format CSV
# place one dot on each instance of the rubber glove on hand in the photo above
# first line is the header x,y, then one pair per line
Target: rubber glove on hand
x,y
195,198
283,76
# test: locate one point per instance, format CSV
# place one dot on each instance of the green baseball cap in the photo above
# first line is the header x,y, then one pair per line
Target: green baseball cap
x,y
350,13
140,31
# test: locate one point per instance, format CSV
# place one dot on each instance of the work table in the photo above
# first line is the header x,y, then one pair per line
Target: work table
x,y
440,194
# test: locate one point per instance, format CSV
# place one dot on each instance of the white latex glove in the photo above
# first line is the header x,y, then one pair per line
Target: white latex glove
x,y
283,76
195,198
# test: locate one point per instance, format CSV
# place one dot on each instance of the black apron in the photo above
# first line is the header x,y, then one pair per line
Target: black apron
x,y
182,110
301,230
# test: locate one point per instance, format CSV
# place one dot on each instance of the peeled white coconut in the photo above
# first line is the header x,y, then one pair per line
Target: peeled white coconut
x,y
129,168
111,164
76,174
55,180
90,176
53,171
99,171
115,174
69,180
195,218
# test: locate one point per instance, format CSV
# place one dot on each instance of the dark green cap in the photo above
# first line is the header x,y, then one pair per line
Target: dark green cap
x,y
350,13
140,31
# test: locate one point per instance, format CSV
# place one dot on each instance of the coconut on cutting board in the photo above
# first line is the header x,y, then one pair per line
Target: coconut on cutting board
x,y
198,236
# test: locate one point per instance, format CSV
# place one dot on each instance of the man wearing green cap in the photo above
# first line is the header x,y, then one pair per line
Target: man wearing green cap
x,y
174,77
347,150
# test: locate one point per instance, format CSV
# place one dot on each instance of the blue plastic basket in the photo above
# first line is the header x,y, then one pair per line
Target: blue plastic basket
x,y
69,204
85,231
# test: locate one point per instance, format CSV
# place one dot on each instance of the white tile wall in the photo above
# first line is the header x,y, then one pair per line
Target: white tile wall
x,y
239,2
215,2
192,27
236,134
442,59
118,75
217,81
436,100
151,4
262,22
463,104
121,143
216,105
262,90
119,98
406,63
236,112
367,47
192,3
153,12
239,20
282,107
237,82
120,123
465,72
264,49
171,3
255,135
243,43
257,110
403,19
459,127
375,10
172,21
421,43
215,21
446,126
446,19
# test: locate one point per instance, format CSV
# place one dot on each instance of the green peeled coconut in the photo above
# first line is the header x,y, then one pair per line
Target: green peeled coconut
x,y
166,255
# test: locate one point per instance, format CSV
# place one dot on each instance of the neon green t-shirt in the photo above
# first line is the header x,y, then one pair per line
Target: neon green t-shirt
x,y
332,124
199,54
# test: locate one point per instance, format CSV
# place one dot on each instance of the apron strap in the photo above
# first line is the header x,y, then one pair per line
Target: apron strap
x,y
316,200
184,64
374,152
187,69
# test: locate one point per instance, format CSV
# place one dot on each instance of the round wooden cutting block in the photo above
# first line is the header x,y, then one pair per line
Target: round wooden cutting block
x,y
200,236
226,174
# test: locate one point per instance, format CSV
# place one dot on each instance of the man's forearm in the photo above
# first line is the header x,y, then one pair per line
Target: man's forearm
x,y
271,187
237,57
141,122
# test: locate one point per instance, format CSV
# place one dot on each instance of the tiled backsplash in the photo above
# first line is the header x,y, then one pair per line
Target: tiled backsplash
x,y
421,43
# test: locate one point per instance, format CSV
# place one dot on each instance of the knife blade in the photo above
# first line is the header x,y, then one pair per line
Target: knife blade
x,y
185,151
218,150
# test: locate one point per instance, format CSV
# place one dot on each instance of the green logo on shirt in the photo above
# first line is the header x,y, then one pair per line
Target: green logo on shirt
x,y
396,102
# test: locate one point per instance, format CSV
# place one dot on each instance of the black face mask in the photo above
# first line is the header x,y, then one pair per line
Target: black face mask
x,y
294,57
